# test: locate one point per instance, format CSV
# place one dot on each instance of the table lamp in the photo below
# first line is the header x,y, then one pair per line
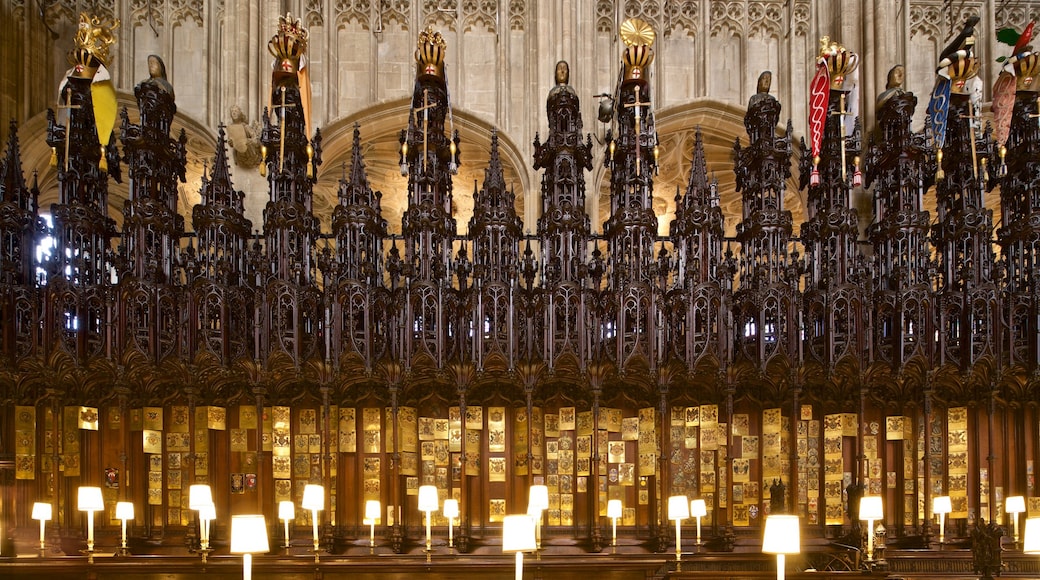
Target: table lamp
x,y
871,510
537,503
286,512
428,503
1031,539
614,512
124,511
90,501
248,537
518,536
43,512
451,511
373,513
942,505
698,509
314,500
200,497
678,510
781,538
1015,505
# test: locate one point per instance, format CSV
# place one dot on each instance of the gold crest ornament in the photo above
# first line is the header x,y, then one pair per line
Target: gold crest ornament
x,y
635,32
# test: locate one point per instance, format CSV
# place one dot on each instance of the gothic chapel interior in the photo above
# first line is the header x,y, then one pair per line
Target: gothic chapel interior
x,y
377,288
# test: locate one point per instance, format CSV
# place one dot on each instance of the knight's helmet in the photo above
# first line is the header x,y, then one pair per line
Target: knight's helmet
x,y
288,47
93,39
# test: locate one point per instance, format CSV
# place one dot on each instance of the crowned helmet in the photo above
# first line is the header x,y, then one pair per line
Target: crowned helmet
x,y
638,37
429,54
840,62
1027,69
93,39
288,45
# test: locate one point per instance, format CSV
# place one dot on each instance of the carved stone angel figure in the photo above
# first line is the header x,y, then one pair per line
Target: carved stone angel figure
x,y
244,139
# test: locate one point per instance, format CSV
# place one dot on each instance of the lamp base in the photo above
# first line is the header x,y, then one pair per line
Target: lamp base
x,y
204,552
123,552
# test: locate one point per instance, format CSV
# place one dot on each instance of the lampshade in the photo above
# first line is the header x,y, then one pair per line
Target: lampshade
x,y
614,508
781,535
428,498
286,510
90,499
941,504
1031,540
124,510
249,534
538,498
42,511
678,507
1015,504
208,512
518,534
450,509
313,497
698,509
870,508
373,511
199,495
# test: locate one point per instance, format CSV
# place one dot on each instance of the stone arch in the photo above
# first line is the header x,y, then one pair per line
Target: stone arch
x,y
381,126
720,124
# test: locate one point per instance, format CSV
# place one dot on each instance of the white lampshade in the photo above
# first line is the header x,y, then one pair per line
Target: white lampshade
x,y
941,504
1015,504
249,534
870,508
208,512
373,511
42,511
698,509
538,498
518,534
781,535
450,509
678,507
125,510
1031,540
428,498
199,495
614,508
286,510
90,499
313,497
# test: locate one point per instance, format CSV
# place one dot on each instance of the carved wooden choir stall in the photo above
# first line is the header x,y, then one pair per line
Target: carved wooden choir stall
x,y
765,372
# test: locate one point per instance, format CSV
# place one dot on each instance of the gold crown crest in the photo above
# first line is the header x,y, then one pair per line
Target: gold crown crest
x,y
1027,69
840,61
429,53
93,39
638,37
290,43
